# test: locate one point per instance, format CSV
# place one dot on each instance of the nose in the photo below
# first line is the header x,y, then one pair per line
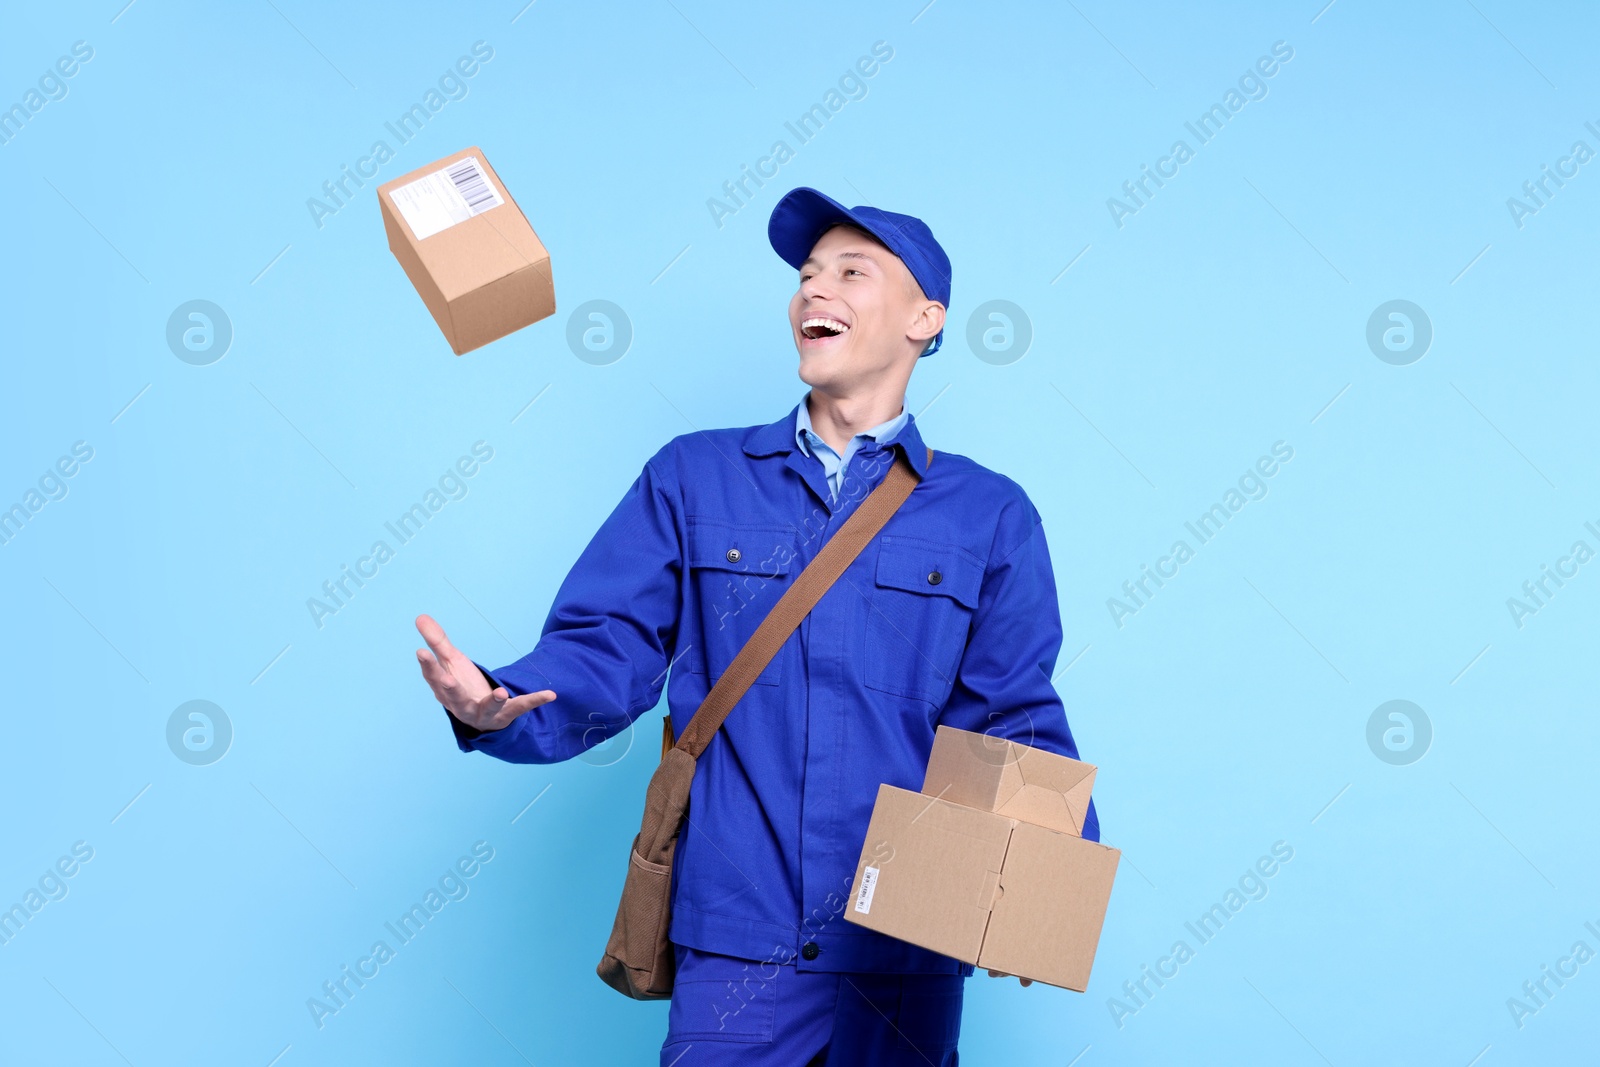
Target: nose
x,y
815,287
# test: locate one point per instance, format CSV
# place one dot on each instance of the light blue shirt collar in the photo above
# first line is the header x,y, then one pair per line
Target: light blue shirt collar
x,y
832,462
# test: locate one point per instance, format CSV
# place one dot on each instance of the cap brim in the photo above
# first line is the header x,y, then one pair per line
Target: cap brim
x,y
802,216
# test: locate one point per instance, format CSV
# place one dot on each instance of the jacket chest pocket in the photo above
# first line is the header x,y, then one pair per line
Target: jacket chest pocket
x,y
919,613
739,571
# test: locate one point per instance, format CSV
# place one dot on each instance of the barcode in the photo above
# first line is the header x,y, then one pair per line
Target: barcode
x,y
446,197
473,186
869,882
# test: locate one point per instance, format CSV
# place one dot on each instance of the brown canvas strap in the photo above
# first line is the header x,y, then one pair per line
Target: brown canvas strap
x,y
818,576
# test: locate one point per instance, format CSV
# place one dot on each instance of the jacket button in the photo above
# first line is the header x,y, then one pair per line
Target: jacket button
x,y
810,950
934,578
734,555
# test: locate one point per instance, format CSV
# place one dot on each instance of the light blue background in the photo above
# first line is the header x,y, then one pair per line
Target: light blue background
x,y
1226,315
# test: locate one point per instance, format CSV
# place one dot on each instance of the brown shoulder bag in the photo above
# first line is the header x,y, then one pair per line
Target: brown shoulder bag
x,y
638,960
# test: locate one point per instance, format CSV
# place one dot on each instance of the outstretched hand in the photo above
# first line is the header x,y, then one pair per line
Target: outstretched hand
x,y
1002,974
460,686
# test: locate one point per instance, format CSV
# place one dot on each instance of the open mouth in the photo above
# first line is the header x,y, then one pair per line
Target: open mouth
x,y
820,327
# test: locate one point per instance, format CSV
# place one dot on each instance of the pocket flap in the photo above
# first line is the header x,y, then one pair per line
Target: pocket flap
x,y
930,568
765,551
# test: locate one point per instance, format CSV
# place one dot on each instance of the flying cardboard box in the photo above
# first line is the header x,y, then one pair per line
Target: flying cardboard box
x,y
468,249
983,885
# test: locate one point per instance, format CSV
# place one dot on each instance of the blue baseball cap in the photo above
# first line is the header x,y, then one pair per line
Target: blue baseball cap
x,y
804,215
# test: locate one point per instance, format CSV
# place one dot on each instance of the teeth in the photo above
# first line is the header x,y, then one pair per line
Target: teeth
x,y
832,324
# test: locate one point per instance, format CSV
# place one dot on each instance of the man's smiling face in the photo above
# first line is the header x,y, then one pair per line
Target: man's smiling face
x,y
858,311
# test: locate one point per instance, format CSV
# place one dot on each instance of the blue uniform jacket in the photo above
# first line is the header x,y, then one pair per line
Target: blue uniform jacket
x,y
710,534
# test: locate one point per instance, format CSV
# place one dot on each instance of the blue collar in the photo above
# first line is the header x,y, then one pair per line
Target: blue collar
x,y
776,437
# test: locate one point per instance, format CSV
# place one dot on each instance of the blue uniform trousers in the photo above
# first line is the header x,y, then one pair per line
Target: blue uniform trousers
x,y
727,1010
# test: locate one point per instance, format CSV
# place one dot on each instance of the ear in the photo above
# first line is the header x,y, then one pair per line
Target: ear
x,y
927,324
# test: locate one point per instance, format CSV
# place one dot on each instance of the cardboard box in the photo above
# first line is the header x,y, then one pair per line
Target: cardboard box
x,y
994,774
979,882
468,249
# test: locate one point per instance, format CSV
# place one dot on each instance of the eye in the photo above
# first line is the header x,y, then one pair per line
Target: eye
x,y
852,270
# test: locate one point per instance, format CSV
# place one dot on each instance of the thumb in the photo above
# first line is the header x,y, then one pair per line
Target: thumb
x,y
509,707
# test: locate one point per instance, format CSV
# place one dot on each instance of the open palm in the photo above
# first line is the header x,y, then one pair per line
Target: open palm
x,y
460,686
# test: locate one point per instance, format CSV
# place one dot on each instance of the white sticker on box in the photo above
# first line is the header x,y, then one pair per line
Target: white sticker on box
x,y
445,197
869,883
